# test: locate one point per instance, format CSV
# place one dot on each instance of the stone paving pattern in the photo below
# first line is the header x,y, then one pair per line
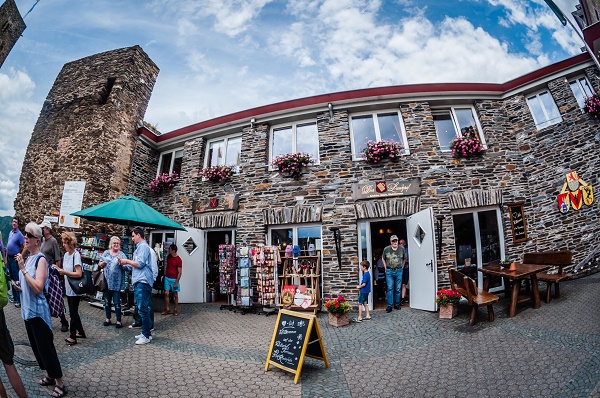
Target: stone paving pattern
x,y
553,351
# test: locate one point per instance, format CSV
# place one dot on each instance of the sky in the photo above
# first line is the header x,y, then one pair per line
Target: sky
x,y
222,56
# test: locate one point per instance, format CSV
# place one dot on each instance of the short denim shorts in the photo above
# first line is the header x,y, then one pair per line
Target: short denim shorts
x,y
363,298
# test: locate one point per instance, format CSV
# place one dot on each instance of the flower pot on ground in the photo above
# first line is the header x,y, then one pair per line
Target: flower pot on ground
x,y
217,173
292,164
592,106
338,309
468,145
164,182
448,300
378,151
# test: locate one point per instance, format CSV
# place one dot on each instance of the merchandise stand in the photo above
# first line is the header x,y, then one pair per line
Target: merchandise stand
x,y
227,275
244,302
300,283
265,259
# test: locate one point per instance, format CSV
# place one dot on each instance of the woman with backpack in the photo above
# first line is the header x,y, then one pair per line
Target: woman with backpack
x,y
35,311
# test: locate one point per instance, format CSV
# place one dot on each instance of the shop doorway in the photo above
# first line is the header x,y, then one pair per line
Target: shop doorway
x,y
213,239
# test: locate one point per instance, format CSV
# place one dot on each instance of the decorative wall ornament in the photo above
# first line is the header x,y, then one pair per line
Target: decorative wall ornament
x,y
575,193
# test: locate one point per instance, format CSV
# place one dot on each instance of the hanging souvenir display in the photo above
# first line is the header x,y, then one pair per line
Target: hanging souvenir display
x,y
265,258
226,269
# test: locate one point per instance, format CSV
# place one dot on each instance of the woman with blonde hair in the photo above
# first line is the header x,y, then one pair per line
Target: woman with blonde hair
x,y
72,268
114,275
36,312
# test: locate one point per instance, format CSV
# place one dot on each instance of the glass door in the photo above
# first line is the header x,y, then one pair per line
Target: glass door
x,y
478,241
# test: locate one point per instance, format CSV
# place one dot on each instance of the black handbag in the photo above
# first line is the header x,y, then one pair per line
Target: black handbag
x,y
99,280
82,285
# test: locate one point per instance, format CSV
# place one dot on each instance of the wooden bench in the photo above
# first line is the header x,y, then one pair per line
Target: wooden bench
x,y
554,258
476,297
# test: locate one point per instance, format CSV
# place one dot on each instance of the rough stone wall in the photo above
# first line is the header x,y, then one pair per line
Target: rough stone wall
x,y
521,163
87,131
11,28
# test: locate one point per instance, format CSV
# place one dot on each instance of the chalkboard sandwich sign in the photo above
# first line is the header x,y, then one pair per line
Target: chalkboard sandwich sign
x,y
296,335
517,222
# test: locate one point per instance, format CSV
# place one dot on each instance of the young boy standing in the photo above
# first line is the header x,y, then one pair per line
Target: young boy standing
x,y
363,292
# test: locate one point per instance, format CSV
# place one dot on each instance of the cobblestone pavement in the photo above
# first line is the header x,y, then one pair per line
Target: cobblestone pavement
x,y
553,351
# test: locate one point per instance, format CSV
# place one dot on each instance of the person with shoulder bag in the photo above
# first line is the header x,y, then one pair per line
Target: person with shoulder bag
x,y
72,268
33,277
115,279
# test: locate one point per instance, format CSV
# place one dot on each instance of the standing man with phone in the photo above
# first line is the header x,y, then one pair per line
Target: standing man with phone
x,y
14,247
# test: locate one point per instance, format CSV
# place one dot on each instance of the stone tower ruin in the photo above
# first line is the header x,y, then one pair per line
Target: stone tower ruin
x,y
86,131
11,28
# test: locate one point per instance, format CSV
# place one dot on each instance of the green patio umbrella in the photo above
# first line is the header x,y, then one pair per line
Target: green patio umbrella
x,y
130,211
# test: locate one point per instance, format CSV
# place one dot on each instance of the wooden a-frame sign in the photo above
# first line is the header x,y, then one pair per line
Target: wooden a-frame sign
x,y
296,335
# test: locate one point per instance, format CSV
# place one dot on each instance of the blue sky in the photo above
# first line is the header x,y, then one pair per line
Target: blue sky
x,y
221,56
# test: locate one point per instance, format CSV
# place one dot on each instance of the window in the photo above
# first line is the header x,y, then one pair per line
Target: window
x,y
224,151
582,90
301,235
450,122
170,162
376,127
544,110
299,137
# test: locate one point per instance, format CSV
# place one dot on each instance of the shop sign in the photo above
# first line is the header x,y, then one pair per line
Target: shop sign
x,y
384,189
575,193
219,203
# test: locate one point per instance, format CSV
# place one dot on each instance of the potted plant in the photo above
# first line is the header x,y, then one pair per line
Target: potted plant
x,y
377,151
291,164
338,309
217,173
448,300
468,145
592,106
163,182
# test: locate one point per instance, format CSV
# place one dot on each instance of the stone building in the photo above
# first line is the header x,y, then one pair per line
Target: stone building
x,y
11,28
87,131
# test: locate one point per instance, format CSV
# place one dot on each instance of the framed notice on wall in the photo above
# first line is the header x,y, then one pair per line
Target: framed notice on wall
x,y
517,222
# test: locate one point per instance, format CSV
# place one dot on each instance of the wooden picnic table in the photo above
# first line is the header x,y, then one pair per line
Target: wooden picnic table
x,y
523,271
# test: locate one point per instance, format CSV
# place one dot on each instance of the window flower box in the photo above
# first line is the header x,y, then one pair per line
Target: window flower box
x,y
377,151
591,106
292,164
164,182
468,145
217,173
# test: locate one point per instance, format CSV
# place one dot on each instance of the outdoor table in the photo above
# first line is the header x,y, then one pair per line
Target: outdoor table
x,y
523,271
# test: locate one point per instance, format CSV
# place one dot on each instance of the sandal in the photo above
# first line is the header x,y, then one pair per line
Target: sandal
x,y
47,381
64,327
357,320
70,342
367,318
165,312
175,312
118,325
59,391
80,336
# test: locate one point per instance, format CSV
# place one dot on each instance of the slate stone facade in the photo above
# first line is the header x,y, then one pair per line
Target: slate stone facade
x,y
87,131
11,28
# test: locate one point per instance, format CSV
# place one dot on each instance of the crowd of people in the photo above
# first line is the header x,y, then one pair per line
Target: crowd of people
x,y
29,259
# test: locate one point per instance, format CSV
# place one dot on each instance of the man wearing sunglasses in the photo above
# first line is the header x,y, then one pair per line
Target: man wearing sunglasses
x,y
14,247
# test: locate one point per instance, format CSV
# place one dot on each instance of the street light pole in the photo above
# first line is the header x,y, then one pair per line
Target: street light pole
x,y
564,20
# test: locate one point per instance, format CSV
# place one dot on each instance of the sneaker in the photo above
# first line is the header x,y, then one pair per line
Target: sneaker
x,y
139,336
143,340
388,309
133,325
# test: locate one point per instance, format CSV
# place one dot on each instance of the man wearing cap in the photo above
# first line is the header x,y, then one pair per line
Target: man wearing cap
x,y
14,247
51,252
393,258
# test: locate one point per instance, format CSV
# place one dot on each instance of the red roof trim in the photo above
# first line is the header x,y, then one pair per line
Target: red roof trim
x,y
498,88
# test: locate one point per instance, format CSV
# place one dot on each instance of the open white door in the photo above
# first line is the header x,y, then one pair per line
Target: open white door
x,y
423,267
190,247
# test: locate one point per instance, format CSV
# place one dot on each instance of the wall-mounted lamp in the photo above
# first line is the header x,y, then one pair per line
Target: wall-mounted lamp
x,y
252,121
439,219
337,238
330,107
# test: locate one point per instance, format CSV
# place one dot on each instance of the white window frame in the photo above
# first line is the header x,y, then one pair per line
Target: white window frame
x,y
546,123
236,168
161,157
577,81
294,127
404,143
457,128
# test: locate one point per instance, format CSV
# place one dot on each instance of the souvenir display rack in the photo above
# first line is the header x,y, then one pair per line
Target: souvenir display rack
x,y
265,259
244,301
227,274
300,283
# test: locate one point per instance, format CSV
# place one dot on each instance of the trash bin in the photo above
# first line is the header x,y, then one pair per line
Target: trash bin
x,y
209,296
213,296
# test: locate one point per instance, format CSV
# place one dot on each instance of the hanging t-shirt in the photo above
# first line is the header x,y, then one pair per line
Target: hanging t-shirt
x,y
172,264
